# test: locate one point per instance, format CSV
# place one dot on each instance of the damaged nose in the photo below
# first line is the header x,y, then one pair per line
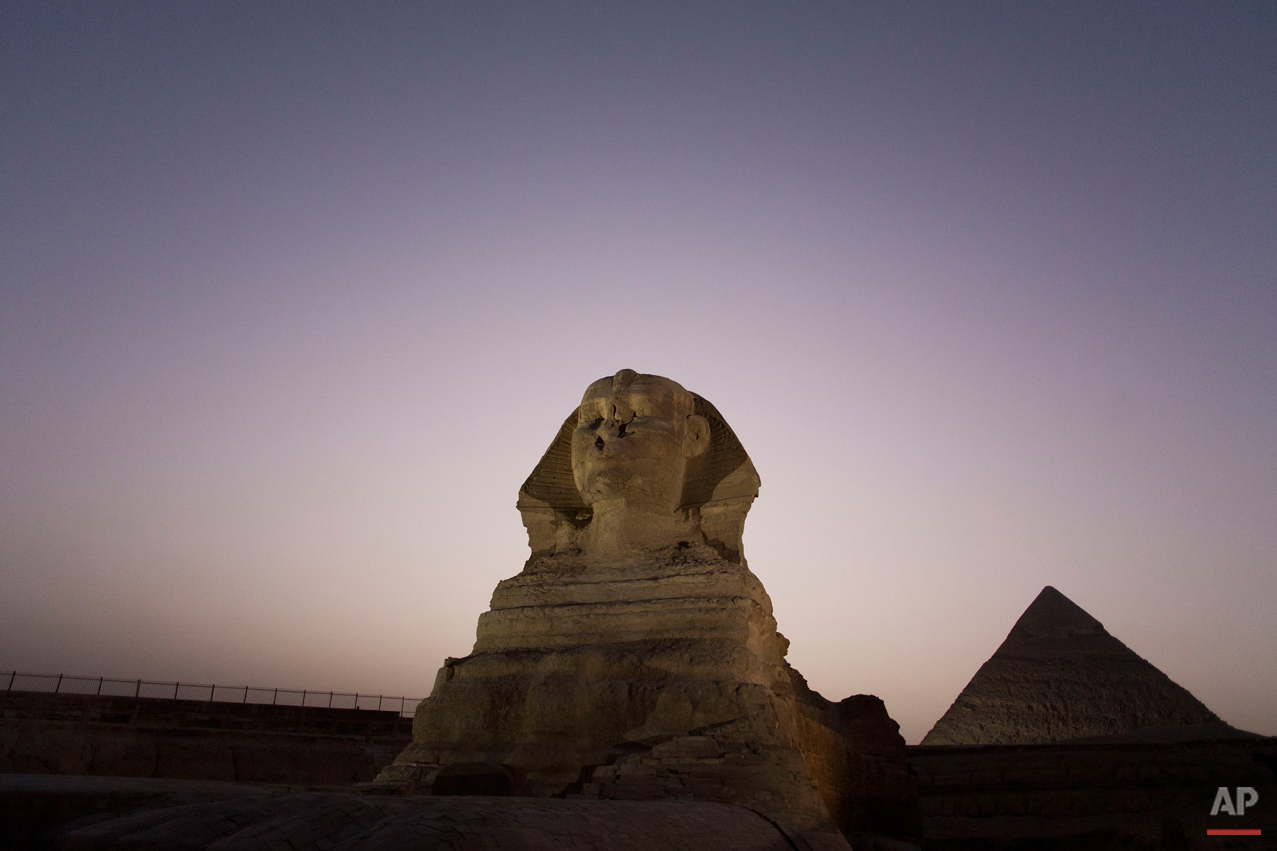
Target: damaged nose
x,y
612,427
607,432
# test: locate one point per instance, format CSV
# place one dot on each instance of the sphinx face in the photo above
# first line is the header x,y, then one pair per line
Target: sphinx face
x,y
633,437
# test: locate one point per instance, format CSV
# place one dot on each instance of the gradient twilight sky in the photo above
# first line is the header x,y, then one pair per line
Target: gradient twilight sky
x,y
294,296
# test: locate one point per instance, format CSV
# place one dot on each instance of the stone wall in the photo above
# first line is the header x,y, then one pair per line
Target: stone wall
x,y
1129,796
44,733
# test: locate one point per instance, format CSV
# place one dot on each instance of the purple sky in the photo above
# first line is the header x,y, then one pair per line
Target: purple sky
x,y
292,299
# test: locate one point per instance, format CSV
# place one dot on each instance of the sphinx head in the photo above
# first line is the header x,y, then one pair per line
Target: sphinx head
x,y
633,438
639,465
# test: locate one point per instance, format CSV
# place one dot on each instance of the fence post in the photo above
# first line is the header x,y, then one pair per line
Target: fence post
x,y
356,700
379,699
12,674
303,698
58,686
100,681
273,699
246,694
175,685
330,700
137,692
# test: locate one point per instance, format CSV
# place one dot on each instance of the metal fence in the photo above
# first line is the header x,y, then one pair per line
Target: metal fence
x,y
63,684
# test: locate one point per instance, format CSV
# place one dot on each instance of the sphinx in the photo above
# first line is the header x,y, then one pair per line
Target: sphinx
x,y
636,656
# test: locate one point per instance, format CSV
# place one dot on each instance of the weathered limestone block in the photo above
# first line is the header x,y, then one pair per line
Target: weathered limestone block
x,y
636,656
552,687
857,758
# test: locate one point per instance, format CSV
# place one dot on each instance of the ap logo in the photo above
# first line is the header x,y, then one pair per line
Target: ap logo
x,y
1246,797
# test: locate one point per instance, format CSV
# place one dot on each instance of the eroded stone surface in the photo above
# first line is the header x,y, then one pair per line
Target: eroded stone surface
x,y
1060,675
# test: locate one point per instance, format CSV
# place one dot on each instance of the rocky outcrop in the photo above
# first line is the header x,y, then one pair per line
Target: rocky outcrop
x,y
857,759
1060,675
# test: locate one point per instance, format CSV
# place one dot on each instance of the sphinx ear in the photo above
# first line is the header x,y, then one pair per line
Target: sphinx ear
x,y
696,438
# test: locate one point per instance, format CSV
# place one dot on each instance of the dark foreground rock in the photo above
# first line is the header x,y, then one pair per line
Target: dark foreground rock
x,y
78,814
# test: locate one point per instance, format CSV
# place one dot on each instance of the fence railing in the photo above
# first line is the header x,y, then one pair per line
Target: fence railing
x,y
63,684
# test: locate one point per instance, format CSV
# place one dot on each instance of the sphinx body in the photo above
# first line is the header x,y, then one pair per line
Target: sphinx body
x,y
636,655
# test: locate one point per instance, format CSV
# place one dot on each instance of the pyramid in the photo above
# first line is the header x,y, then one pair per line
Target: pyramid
x,y
1060,675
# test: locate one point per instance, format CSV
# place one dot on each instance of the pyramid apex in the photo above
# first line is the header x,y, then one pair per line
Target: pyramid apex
x,y
1053,615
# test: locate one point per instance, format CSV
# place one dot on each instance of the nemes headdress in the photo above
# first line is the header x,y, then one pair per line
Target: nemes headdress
x,y
719,486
